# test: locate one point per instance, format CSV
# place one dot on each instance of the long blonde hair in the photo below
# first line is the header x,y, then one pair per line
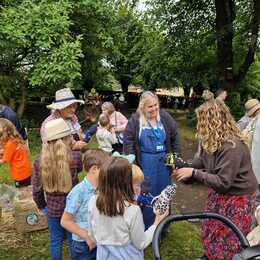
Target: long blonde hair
x,y
215,124
144,98
55,165
8,131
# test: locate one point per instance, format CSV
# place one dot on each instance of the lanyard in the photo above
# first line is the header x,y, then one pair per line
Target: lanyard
x,y
156,131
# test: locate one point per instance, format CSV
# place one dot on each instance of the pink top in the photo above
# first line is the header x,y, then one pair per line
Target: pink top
x,y
118,121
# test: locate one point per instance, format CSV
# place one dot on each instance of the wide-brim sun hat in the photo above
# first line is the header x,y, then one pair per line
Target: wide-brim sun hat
x,y
56,129
251,106
64,98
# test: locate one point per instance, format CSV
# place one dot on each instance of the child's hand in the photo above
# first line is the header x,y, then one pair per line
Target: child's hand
x,y
78,145
159,217
43,211
112,130
91,244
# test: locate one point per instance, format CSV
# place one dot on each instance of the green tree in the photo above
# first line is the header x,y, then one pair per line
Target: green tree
x,y
128,48
93,21
203,35
37,51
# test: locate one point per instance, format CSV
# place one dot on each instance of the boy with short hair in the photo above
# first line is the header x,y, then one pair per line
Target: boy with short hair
x,y
75,217
105,136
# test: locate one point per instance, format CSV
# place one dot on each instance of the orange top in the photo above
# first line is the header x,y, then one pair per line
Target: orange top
x,y
19,161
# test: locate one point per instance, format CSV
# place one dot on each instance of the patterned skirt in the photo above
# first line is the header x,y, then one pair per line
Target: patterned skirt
x,y
219,242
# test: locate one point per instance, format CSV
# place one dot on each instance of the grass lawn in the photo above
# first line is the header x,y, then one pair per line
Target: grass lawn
x,y
181,242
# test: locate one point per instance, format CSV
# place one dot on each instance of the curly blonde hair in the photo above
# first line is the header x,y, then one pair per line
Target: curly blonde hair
x,y
215,124
8,131
144,98
55,165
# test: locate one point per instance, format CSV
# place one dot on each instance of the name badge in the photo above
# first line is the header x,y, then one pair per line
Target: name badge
x,y
159,148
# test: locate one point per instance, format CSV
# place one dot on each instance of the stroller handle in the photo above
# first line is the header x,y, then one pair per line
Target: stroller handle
x,y
202,215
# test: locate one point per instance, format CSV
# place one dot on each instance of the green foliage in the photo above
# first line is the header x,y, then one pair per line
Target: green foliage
x,y
94,21
192,119
128,48
188,50
252,80
186,54
234,103
36,45
60,66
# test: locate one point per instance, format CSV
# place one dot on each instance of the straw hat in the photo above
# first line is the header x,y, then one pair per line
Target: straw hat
x,y
251,106
56,129
63,98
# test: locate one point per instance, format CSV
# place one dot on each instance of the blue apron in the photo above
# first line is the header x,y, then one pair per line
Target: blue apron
x,y
156,173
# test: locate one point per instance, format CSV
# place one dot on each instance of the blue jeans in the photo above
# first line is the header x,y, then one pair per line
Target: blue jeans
x,y
80,251
57,235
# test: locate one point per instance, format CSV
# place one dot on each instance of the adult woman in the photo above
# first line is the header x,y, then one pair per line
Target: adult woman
x,y
118,121
55,172
223,165
150,134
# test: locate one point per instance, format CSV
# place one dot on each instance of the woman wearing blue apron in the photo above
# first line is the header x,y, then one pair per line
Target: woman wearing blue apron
x,y
150,134
157,176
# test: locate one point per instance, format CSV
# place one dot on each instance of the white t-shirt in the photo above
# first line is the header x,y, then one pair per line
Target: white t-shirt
x,y
119,230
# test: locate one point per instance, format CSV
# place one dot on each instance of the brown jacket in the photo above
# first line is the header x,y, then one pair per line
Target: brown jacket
x,y
228,170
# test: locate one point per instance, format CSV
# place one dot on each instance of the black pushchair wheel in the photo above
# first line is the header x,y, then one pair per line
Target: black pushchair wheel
x,y
246,253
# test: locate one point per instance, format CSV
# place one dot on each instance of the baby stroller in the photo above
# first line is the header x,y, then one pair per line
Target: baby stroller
x,y
246,253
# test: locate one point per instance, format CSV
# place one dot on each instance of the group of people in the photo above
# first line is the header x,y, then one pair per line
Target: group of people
x,y
103,225
101,216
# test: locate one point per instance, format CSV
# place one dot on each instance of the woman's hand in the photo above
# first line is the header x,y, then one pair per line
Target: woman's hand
x,y
182,174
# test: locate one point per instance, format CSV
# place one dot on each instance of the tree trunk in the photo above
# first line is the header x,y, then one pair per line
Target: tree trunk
x,y
224,30
22,104
252,43
125,81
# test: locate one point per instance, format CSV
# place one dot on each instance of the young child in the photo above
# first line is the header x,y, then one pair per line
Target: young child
x,y
105,136
55,173
116,222
75,218
161,202
15,152
144,200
